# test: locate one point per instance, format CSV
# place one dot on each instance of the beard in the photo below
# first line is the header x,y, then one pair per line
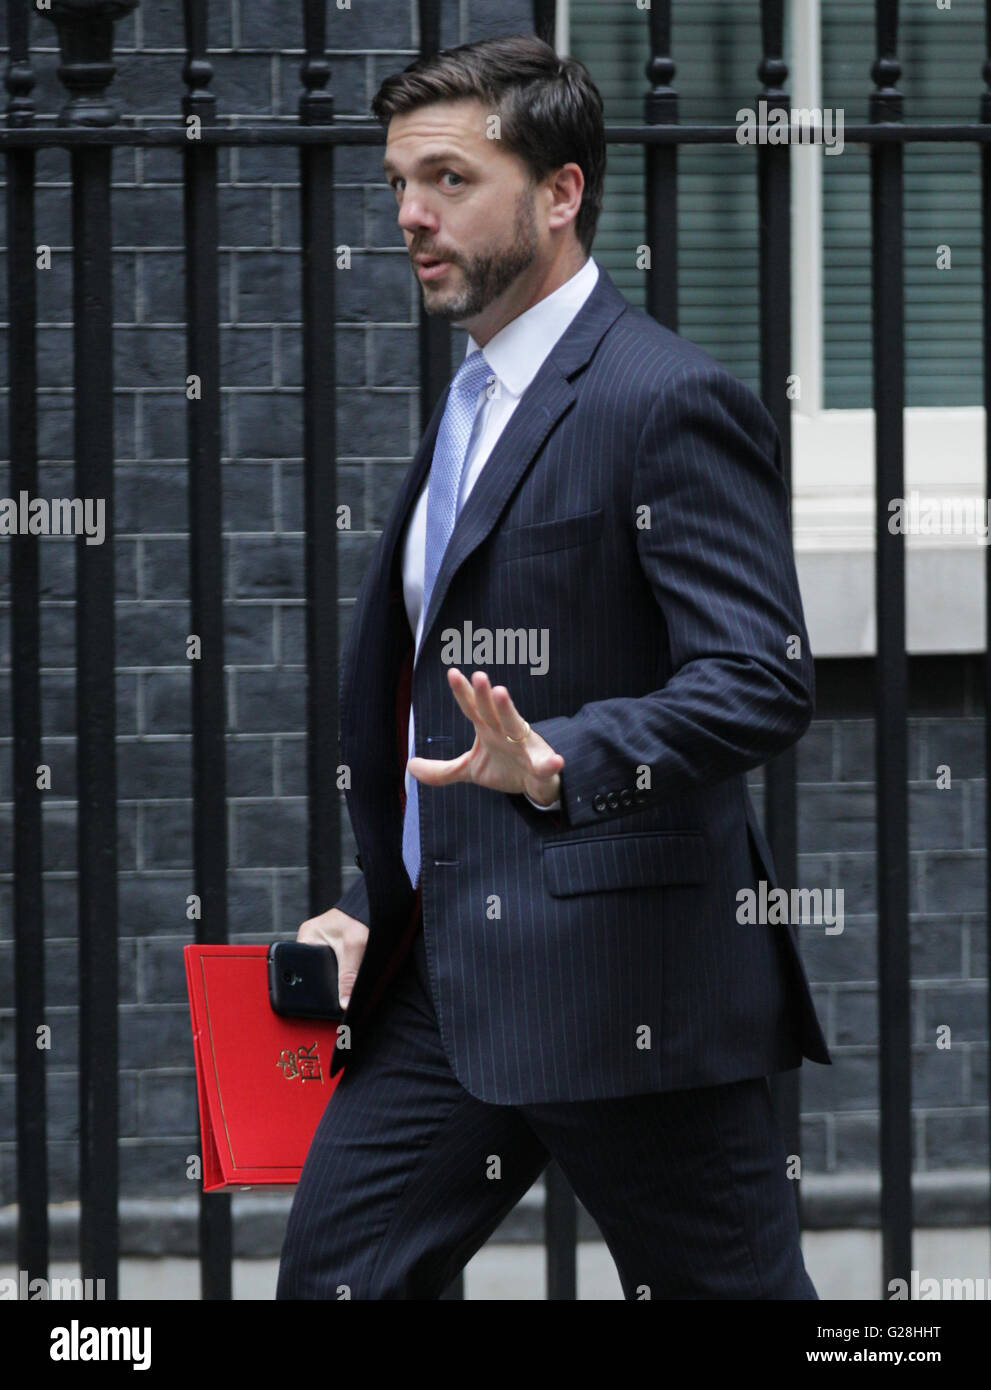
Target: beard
x,y
489,274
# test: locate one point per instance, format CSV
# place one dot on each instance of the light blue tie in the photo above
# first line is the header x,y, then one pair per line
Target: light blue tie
x,y
446,468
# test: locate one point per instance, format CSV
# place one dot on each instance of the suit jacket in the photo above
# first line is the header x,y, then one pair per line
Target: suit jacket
x,y
594,951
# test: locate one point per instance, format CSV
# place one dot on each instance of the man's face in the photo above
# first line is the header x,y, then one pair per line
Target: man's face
x,y
465,202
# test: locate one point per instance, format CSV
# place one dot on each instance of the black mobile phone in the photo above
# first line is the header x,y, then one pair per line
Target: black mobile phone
x,y
302,981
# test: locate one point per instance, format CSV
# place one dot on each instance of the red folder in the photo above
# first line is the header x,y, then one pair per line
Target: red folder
x,y
261,1079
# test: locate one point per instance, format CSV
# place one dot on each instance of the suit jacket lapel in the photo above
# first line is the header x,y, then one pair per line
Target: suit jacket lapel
x,y
542,404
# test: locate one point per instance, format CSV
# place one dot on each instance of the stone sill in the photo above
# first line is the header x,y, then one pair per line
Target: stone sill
x,y
833,524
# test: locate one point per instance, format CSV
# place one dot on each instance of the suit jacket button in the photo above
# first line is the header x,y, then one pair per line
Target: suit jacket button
x,y
357,860
639,796
599,802
626,797
612,801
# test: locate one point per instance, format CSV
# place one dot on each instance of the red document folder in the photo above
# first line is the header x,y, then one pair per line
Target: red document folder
x,y
261,1079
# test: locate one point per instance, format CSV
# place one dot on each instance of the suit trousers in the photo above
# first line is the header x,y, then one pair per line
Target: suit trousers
x,y
408,1174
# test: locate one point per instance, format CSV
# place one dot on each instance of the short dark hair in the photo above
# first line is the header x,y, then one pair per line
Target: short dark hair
x,y
550,110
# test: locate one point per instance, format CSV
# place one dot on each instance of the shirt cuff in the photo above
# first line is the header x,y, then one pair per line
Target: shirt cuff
x,y
554,806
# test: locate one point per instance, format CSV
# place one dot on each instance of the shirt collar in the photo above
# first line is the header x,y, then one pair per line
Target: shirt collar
x,y
517,352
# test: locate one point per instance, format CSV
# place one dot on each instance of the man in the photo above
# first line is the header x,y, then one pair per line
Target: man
x,y
583,616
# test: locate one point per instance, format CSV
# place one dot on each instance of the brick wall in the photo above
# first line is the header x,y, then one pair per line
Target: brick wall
x,y
377,435
837,846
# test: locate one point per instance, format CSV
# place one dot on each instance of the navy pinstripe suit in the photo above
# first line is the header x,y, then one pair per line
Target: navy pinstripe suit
x,y
581,972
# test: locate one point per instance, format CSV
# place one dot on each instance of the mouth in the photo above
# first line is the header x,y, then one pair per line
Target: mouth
x,y
428,268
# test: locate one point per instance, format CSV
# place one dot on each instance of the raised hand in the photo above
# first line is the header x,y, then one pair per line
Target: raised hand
x,y
507,755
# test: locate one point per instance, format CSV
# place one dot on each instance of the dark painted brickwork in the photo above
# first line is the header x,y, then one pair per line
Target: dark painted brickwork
x,y
377,415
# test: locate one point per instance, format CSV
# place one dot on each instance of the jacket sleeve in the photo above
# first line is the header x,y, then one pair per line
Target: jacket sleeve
x,y
717,554
354,900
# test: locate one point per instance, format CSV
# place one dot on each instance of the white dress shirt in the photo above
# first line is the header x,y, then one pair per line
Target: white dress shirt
x,y
515,355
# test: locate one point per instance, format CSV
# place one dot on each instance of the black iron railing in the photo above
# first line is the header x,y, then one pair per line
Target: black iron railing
x,y
89,129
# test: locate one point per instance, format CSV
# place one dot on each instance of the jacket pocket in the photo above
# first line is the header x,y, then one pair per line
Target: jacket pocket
x,y
636,860
517,542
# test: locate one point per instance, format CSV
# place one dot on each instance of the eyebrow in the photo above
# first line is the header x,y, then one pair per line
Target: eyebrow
x,y
439,157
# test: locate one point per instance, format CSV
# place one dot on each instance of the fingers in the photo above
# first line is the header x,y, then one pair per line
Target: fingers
x,y
349,954
474,699
499,727
464,694
315,932
346,936
493,704
499,722
437,772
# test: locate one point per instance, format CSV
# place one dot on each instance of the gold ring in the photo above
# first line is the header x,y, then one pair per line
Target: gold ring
x,y
522,736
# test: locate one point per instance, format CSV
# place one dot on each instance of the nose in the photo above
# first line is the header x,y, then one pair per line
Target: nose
x,y
414,212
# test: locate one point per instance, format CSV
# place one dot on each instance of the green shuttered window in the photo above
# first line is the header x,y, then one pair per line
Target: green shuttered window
x,y
716,47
